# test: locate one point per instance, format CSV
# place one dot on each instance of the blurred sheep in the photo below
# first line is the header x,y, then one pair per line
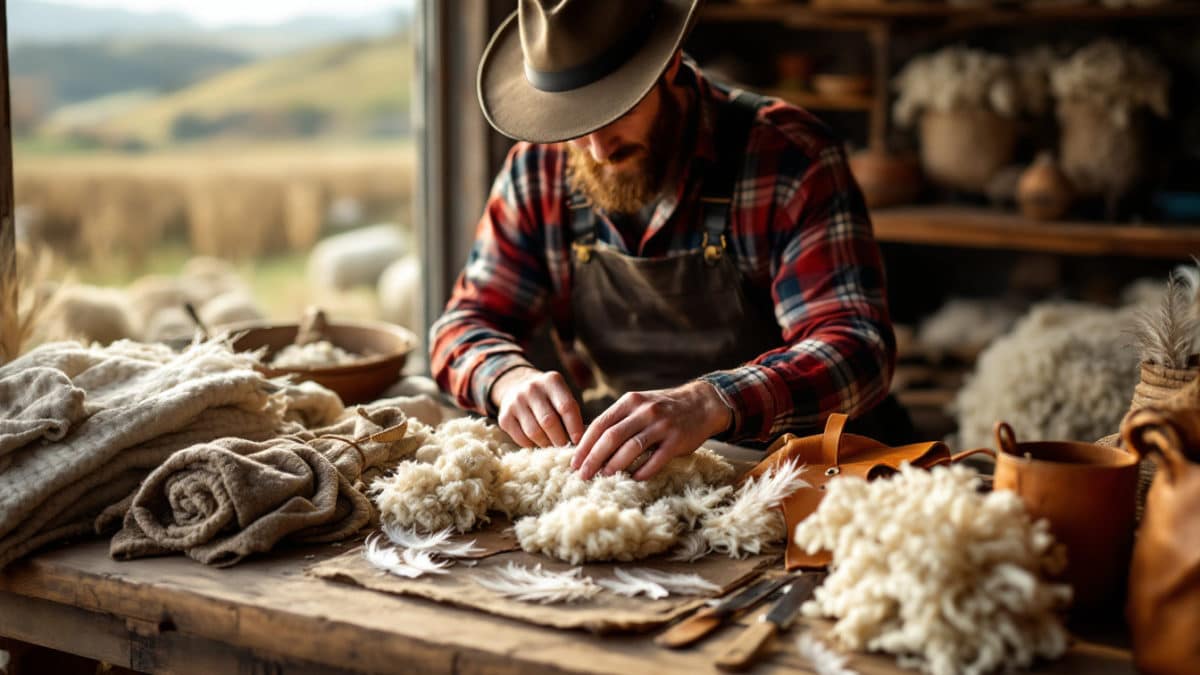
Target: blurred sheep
x,y
400,292
88,313
229,308
356,258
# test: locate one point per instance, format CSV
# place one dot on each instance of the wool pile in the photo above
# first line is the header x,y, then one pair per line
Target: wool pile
x,y
466,468
927,568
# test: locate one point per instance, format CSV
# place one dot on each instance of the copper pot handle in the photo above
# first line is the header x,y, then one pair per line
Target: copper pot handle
x,y
1006,439
1149,432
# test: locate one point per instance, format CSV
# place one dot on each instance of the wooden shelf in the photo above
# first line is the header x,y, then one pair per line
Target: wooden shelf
x,y
984,228
815,101
795,13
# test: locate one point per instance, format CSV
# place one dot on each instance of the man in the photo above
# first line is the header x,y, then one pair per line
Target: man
x,y
708,258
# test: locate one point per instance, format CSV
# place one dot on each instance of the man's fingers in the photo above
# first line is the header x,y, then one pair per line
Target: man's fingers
x,y
667,450
568,411
612,440
634,447
509,423
599,426
529,425
548,419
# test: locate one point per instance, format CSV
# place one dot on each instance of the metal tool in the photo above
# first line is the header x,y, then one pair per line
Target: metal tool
x,y
750,643
707,619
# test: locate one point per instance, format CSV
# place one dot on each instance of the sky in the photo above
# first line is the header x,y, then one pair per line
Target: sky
x,y
221,12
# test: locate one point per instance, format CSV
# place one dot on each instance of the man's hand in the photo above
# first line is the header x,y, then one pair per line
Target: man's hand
x,y
536,408
676,421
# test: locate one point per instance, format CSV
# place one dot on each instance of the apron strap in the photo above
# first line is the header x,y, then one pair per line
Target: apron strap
x,y
583,226
716,193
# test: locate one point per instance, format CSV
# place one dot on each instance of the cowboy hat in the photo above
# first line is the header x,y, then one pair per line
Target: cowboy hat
x,y
560,69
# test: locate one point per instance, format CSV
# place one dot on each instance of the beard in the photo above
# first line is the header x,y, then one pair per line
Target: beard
x,y
644,167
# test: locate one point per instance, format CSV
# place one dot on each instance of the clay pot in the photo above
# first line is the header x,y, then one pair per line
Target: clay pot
x,y
794,68
1086,491
1043,191
886,179
962,149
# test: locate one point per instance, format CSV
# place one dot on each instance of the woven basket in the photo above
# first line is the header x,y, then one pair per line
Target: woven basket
x,y
962,149
1166,389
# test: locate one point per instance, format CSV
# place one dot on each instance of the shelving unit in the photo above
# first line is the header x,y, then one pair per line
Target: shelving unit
x,y
984,228
955,225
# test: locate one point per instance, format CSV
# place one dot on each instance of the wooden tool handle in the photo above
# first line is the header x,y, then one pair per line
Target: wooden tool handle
x,y
747,646
689,630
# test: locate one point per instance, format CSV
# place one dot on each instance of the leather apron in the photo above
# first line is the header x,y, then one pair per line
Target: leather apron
x,y
652,323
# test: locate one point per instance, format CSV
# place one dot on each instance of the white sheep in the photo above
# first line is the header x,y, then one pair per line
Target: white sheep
x,y
400,293
356,258
88,313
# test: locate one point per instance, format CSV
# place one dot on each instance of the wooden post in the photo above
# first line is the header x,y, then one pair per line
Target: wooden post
x,y
881,43
10,321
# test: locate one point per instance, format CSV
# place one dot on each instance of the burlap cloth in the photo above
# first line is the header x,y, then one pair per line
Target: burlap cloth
x,y
83,425
221,501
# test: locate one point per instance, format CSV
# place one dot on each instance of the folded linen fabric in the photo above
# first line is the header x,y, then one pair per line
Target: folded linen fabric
x,y
90,422
221,501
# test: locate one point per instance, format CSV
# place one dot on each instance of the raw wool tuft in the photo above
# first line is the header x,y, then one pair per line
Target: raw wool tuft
x,y
751,522
480,429
927,568
319,354
1064,372
821,657
692,547
965,326
582,529
534,584
454,491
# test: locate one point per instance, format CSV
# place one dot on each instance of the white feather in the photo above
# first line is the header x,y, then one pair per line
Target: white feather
x,y
750,524
768,490
534,584
692,547
631,584
824,660
678,584
423,560
437,543
388,560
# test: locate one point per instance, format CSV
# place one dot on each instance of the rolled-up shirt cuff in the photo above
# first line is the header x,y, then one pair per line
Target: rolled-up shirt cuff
x,y
487,373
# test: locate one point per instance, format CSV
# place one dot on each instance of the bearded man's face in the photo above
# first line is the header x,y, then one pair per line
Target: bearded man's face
x,y
622,167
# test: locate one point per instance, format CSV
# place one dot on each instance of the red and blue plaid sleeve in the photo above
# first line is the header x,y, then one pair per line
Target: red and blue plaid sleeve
x,y
501,293
827,285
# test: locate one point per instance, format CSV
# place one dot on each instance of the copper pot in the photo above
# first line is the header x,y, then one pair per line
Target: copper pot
x,y
1087,493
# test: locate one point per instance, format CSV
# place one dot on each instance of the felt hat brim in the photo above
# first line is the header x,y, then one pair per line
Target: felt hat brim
x,y
521,111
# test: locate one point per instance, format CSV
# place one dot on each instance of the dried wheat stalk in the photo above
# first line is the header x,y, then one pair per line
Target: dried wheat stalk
x,y
1167,336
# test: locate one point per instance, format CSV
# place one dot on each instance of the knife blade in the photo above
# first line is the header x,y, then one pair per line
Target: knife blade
x,y
704,621
751,642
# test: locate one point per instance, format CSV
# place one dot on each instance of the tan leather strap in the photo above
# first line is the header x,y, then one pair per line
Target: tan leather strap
x,y
831,440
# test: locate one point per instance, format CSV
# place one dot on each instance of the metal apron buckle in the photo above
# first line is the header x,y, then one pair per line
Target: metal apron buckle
x,y
712,252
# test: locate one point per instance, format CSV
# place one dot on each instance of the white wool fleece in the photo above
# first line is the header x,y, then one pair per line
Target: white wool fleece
x,y
925,567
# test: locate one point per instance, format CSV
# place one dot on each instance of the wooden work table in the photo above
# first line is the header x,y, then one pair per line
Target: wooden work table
x,y
266,616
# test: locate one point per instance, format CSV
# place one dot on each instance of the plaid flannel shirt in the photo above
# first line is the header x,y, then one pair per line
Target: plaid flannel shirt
x,y
799,232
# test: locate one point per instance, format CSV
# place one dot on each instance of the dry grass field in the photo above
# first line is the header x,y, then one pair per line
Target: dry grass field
x,y
111,218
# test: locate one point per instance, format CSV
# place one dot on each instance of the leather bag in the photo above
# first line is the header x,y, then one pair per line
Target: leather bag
x,y
836,453
1164,581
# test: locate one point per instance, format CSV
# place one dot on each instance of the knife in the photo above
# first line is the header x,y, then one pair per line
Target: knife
x,y
707,619
750,643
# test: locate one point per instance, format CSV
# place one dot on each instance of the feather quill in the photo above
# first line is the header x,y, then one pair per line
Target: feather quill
x,y
749,524
631,585
437,543
534,584
389,560
823,660
1166,336
657,584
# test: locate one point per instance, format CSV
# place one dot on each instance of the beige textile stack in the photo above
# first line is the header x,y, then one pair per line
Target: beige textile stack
x,y
218,502
82,426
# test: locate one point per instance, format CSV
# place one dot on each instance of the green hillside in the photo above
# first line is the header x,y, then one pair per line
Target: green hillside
x,y
355,88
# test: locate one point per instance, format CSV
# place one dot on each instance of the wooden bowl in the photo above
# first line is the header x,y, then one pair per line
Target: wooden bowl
x,y
384,349
832,84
